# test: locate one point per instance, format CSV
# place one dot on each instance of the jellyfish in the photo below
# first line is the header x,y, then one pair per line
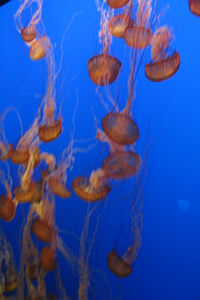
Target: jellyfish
x,y
42,230
38,44
122,165
164,65
25,195
194,6
117,3
47,259
57,178
139,35
92,189
120,128
50,128
7,204
118,24
103,69
118,266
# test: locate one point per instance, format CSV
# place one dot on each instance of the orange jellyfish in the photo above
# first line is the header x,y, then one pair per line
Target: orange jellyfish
x,y
7,205
7,208
29,32
47,259
121,266
194,6
50,128
117,3
122,165
25,195
163,66
42,230
92,189
139,35
103,69
39,48
120,128
118,266
118,24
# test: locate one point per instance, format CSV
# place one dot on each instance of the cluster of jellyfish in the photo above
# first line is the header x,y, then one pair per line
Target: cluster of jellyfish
x,y
137,24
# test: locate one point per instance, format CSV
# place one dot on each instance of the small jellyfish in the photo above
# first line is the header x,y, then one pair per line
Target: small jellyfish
x,y
25,195
103,69
28,34
47,259
91,189
7,208
118,24
39,48
139,35
117,3
122,165
120,128
42,230
20,156
118,266
7,205
194,6
163,65
48,133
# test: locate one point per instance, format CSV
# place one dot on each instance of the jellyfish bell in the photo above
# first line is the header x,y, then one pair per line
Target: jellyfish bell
x,y
138,37
118,266
28,34
120,128
58,188
27,195
50,132
42,230
39,48
118,24
122,165
90,189
117,3
7,208
18,156
47,259
103,69
163,69
194,6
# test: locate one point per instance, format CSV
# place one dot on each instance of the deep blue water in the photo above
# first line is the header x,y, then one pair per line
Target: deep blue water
x,y
167,114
